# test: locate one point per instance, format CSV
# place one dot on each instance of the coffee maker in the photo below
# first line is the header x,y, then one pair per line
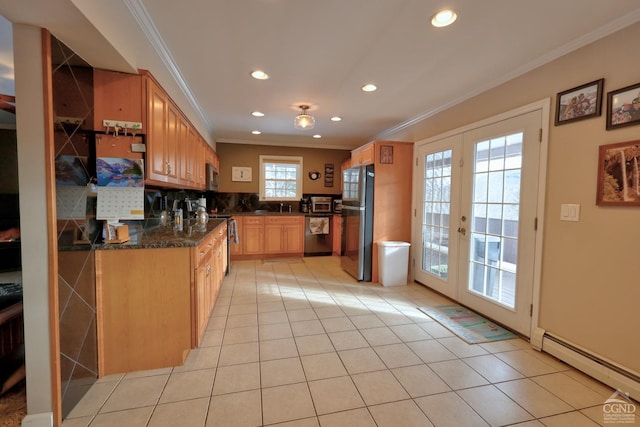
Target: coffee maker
x,y
305,205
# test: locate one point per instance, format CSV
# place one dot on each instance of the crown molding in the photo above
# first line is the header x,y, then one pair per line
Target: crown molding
x,y
149,29
597,34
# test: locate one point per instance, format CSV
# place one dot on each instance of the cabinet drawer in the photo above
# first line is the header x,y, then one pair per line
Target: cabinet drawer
x,y
204,248
284,220
253,220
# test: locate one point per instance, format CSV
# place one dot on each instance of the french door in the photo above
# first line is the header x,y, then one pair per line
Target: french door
x,y
476,214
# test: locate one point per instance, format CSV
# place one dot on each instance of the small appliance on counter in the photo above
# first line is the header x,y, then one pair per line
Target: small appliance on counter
x,y
337,205
304,205
321,204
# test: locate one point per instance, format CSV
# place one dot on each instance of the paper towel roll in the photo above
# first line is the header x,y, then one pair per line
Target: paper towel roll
x,y
202,201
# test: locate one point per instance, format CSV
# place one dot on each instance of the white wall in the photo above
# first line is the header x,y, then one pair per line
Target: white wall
x,y
33,221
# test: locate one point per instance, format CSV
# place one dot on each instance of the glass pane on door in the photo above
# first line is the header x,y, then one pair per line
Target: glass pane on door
x,y
495,218
436,212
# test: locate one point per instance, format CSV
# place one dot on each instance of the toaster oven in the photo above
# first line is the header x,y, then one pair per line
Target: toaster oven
x,y
321,205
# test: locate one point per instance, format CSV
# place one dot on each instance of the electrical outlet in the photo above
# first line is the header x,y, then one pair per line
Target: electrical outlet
x,y
129,126
138,148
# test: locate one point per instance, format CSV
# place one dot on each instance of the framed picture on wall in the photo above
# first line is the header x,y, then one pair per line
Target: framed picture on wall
x,y
619,174
623,107
386,154
579,103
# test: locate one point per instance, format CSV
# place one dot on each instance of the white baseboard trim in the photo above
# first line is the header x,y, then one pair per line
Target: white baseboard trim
x,y
597,367
44,419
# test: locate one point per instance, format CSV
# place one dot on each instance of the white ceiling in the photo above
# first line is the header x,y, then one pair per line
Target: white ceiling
x,y
320,53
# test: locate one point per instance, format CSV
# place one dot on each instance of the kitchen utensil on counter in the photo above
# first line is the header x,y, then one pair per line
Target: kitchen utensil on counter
x,y
164,213
202,217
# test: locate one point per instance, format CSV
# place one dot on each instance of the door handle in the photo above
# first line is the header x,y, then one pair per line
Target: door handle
x,y
462,231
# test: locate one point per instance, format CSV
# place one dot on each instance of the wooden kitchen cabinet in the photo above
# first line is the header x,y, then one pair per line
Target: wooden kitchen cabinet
x,y
185,152
203,288
153,304
162,135
210,259
236,248
143,308
116,96
337,235
392,190
284,235
175,152
363,155
253,240
272,235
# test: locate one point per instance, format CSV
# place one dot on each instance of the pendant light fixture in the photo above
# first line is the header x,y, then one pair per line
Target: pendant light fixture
x,y
303,120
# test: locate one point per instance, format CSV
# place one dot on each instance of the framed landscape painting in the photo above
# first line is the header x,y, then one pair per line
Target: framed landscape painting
x,y
619,174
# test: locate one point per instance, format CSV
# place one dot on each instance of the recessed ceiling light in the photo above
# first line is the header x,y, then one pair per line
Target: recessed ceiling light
x,y
259,75
257,114
317,136
336,119
369,87
256,132
444,18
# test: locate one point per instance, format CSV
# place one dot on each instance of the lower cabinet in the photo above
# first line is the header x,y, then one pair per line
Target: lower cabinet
x,y
337,235
153,304
209,273
271,235
284,235
143,308
253,239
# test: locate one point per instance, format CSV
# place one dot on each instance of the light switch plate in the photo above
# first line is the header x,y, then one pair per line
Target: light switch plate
x,y
569,212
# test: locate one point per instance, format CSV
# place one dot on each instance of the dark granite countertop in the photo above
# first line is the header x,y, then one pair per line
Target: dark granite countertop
x,y
269,213
166,236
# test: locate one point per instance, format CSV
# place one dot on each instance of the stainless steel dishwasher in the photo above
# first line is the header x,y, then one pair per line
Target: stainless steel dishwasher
x,y
318,235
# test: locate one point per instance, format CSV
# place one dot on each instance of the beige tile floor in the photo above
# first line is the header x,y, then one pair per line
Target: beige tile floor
x,y
303,344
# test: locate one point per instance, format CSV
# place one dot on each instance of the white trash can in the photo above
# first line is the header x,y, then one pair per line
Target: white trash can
x,y
393,262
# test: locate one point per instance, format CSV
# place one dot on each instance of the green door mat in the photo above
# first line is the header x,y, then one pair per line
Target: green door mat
x,y
466,324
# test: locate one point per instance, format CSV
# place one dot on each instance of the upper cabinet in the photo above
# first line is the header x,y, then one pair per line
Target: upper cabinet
x,y
176,153
363,155
117,96
161,128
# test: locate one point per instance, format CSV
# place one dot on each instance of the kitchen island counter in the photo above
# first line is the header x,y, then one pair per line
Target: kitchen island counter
x,y
166,236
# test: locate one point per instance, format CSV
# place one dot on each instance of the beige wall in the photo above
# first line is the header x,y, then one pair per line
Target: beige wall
x,y
249,156
590,290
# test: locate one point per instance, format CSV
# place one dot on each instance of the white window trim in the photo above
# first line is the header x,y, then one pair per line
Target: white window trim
x,y
297,160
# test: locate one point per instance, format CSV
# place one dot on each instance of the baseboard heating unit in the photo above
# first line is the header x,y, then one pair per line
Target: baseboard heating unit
x,y
597,367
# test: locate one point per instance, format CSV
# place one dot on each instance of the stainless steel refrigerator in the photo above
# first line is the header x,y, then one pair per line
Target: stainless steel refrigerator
x,y
357,221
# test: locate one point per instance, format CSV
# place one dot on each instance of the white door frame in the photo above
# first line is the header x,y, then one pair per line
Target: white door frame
x,y
545,106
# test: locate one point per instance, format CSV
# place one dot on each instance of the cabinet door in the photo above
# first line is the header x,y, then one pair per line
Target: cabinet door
x,y
184,151
293,237
172,143
273,241
158,167
193,152
116,96
367,154
253,241
337,235
236,249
